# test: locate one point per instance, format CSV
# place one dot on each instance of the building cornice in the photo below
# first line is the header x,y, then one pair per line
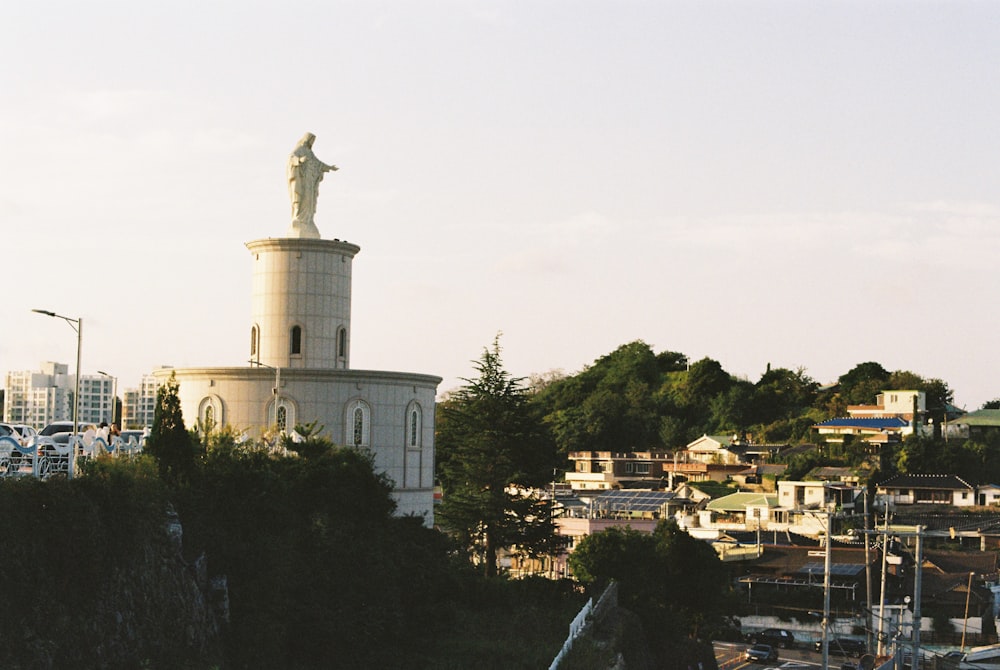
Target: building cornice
x,y
303,244
301,375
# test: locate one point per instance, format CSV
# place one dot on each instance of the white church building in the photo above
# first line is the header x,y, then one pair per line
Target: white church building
x,y
299,370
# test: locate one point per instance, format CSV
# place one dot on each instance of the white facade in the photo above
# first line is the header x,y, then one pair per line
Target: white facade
x,y
298,371
892,404
37,398
139,404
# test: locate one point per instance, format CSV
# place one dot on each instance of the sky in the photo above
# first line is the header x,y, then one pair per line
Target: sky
x,y
802,184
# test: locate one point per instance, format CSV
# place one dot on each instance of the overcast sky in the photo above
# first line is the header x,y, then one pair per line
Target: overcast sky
x,y
805,184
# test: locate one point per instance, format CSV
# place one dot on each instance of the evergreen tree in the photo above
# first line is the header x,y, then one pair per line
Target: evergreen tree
x,y
169,441
491,450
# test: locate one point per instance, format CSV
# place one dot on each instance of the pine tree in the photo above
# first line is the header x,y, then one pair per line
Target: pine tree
x,y
491,449
169,441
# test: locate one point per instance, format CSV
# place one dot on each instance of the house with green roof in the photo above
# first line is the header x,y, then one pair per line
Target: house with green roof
x,y
973,424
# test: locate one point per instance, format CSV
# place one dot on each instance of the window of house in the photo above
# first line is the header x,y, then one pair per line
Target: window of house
x,y
642,468
296,338
629,468
254,338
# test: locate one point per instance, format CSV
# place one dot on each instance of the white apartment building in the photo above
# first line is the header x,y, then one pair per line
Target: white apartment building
x,y
139,404
40,397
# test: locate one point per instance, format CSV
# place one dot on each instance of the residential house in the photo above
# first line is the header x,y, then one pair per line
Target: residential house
x,y
988,494
716,449
928,489
872,430
973,424
894,415
830,496
908,405
760,476
605,470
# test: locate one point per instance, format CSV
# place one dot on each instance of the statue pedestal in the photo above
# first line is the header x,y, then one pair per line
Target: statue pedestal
x,y
307,231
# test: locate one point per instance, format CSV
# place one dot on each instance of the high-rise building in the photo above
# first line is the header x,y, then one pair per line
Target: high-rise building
x,y
139,404
40,397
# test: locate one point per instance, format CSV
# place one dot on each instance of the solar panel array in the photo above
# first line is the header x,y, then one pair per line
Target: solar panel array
x,y
837,569
626,500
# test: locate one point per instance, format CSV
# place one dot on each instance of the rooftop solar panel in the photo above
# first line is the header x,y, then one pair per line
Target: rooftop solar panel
x,y
838,569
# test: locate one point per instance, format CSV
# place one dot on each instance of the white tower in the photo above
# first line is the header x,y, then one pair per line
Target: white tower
x,y
301,306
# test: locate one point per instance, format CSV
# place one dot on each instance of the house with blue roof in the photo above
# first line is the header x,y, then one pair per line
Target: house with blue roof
x,y
894,415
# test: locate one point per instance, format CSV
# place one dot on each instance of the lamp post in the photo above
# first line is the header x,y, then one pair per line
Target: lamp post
x,y
114,394
77,325
277,386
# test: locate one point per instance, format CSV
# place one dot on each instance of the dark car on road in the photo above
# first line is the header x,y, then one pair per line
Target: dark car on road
x,y
761,653
776,637
843,646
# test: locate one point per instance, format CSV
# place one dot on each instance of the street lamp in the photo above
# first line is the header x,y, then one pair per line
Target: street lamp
x,y
77,325
114,394
277,388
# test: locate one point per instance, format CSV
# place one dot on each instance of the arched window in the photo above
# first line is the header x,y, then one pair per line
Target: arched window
x,y
210,412
282,418
358,424
414,422
254,341
283,415
296,338
341,342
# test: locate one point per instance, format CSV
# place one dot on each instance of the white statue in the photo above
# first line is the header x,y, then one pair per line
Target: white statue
x,y
305,172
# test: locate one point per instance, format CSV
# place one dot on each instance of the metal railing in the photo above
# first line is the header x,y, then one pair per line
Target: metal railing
x,y
43,458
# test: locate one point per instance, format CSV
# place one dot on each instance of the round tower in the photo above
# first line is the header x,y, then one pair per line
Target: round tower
x,y
301,303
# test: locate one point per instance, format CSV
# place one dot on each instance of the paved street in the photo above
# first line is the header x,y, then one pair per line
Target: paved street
x,y
729,656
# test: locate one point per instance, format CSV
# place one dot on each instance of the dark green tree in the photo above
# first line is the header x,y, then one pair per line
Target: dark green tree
x,y
169,441
491,448
614,404
862,383
675,583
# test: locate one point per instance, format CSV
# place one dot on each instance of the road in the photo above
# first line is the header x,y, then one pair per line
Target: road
x,y
729,656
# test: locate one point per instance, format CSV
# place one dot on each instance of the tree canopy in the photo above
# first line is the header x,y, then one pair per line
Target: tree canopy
x,y
491,450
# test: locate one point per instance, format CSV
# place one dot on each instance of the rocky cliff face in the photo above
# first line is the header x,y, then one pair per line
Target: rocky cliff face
x,y
153,609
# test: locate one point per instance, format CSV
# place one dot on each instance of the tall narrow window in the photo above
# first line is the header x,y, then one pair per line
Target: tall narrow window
x,y
413,425
254,337
359,426
341,342
282,418
296,340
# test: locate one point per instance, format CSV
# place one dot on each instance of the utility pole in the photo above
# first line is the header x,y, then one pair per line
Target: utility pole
x,y
917,588
827,566
868,579
881,597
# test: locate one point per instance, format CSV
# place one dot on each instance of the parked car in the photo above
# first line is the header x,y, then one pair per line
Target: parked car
x,y
27,432
843,646
56,427
761,653
776,637
7,430
137,436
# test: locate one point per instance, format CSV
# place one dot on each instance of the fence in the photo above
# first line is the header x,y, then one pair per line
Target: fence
x,y
582,620
44,458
